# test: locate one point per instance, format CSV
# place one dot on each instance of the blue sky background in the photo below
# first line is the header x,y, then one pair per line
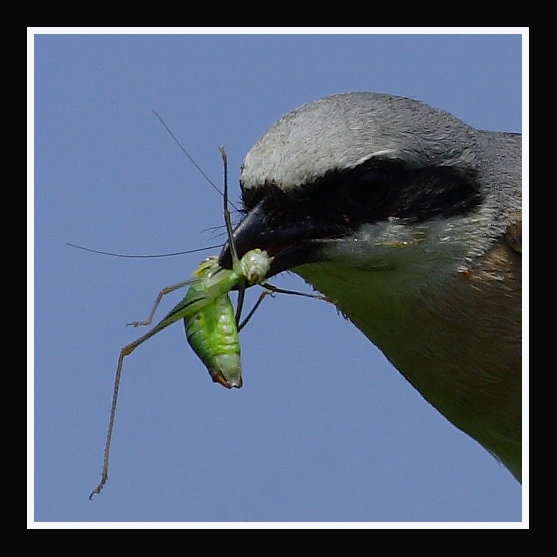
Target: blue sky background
x,y
324,428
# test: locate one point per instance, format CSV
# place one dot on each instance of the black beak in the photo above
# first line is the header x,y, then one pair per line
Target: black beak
x,y
288,246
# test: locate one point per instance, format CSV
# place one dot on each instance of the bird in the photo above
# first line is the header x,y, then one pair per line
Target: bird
x,y
409,221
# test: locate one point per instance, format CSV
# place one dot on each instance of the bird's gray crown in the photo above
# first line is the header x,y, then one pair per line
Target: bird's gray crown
x,y
343,131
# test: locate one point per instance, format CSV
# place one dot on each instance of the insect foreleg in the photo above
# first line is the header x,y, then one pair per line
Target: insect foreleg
x,y
162,293
271,290
277,290
240,303
262,296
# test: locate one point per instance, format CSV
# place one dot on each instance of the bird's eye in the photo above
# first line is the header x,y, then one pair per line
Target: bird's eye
x,y
368,190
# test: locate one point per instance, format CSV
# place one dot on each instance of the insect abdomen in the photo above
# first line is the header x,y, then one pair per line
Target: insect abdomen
x,y
213,335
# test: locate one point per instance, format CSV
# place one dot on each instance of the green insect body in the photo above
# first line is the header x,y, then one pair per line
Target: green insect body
x,y
213,333
211,282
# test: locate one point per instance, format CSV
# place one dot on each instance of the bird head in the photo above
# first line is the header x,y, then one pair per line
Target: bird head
x,y
400,214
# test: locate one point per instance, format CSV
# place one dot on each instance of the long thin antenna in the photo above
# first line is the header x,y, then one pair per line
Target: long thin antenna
x,y
143,256
227,219
190,157
230,233
185,152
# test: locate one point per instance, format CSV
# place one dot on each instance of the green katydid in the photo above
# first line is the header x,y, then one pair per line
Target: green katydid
x,y
211,326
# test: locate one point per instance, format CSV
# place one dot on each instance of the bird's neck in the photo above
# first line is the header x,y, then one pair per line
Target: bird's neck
x,y
439,332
